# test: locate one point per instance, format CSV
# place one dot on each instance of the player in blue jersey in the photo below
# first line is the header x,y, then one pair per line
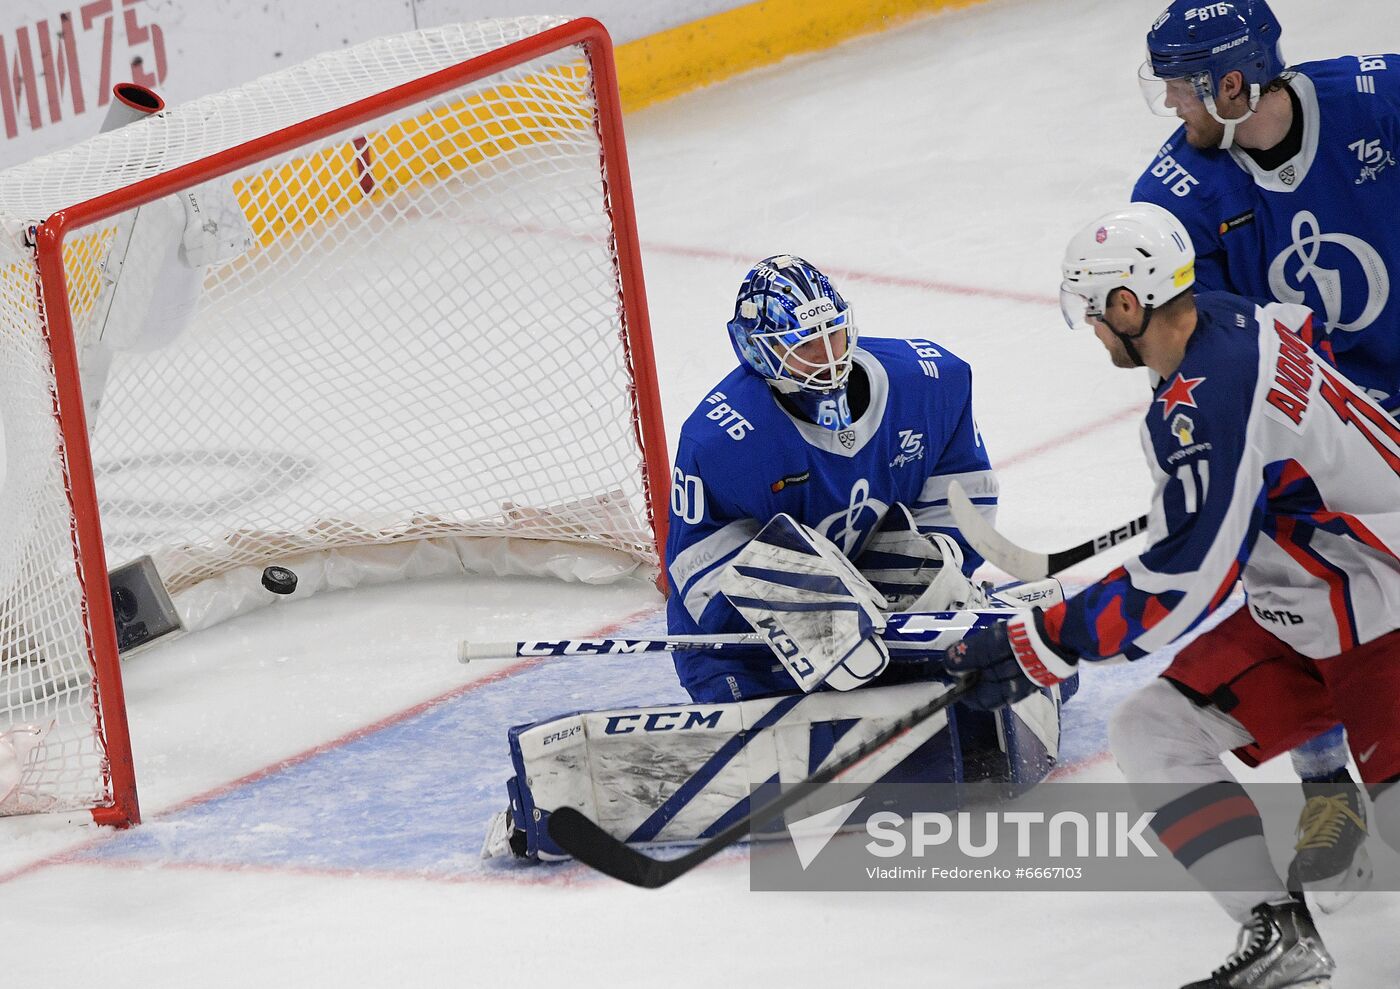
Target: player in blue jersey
x,y
1286,177
1271,468
1286,180
808,499
828,427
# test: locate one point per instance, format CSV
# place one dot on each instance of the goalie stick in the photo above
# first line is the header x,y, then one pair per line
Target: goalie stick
x,y
1026,564
582,838
904,631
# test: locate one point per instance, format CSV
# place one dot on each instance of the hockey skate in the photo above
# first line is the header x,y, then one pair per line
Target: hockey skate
x,y
1331,861
1279,948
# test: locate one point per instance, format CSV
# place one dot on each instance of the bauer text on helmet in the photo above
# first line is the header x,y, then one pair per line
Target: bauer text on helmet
x,y
1192,47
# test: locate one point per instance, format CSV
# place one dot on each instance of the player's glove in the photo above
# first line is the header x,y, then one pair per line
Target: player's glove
x,y
1015,659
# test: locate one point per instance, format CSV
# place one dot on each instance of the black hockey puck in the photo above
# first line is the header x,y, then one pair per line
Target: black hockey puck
x,y
279,580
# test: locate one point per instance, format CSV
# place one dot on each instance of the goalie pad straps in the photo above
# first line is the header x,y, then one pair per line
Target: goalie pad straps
x,y
821,618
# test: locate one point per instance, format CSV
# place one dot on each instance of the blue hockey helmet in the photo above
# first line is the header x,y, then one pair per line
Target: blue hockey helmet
x,y
792,327
1203,42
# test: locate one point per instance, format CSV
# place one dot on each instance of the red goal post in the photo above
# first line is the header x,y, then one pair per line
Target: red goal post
x,y
434,339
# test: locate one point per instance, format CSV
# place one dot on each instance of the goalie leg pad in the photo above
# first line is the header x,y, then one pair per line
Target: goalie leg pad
x,y
1022,594
682,773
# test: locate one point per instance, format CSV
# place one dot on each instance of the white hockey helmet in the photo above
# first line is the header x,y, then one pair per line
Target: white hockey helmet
x,y
1141,247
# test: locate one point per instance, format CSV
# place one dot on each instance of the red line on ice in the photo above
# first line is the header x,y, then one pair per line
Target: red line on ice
x,y
72,856
1030,453
854,274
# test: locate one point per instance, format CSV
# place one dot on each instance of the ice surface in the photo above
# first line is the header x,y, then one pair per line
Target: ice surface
x,y
316,778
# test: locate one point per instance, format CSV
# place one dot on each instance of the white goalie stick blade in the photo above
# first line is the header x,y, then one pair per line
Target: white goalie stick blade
x,y
1019,562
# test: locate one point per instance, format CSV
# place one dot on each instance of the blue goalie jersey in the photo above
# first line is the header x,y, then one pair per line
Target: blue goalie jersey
x,y
742,458
1320,229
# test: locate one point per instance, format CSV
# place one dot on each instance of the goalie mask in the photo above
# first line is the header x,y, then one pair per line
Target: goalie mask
x,y
1142,248
793,328
1193,46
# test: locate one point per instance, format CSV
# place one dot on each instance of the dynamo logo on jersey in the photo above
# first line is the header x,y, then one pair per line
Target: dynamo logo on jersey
x,y
1307,247
862,513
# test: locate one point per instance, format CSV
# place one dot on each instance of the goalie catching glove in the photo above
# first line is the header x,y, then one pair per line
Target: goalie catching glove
x,y
1015,659
917,571
923,571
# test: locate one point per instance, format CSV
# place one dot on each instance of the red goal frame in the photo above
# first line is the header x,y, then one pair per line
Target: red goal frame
x,y
50,235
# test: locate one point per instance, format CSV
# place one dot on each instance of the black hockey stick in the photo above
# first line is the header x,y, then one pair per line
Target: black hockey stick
x,y
1019,562
591,845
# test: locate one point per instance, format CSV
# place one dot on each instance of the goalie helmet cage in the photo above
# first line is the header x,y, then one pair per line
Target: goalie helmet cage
x,y
436,336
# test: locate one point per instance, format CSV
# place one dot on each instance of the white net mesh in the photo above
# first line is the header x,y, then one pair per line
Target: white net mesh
x,y
422,337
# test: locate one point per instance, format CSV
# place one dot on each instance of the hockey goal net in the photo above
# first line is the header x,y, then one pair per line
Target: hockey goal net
x,y
416,324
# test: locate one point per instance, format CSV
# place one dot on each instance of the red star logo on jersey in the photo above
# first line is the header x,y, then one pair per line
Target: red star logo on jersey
x,y
1179,393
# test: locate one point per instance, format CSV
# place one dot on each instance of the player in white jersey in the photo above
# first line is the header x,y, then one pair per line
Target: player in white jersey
x,y
1270,467
1285,177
